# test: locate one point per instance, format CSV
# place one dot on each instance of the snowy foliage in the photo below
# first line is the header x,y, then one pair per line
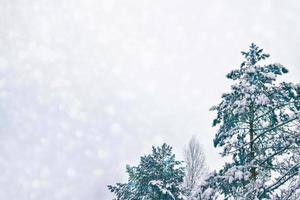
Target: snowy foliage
x,y
258,126
195,167
158,176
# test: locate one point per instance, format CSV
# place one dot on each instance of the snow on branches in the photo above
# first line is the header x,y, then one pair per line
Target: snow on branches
x,y
158,176
258,127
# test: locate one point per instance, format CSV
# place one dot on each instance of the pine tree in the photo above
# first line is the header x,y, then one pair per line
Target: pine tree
x,y
158,176
258,127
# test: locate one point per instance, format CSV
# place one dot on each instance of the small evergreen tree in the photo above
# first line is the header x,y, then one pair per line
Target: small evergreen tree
x,y
158,176
258,126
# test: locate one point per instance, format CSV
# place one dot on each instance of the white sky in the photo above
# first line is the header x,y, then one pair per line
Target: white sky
x,y
88,86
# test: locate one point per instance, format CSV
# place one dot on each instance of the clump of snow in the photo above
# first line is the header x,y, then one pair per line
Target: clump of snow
x,y
238,175
278,65
262,100
155,182
162,188
271,75
251,69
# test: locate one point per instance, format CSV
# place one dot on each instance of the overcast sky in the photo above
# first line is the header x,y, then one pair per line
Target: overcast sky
x,y
88,86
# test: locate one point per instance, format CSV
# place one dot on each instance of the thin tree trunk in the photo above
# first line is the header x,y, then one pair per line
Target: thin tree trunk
x,y
252,150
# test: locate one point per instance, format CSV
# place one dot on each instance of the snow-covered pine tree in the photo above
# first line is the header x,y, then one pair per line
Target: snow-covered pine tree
x,y
158,176
258,126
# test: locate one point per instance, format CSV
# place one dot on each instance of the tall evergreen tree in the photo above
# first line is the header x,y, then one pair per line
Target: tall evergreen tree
x,y
258,127
158,176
